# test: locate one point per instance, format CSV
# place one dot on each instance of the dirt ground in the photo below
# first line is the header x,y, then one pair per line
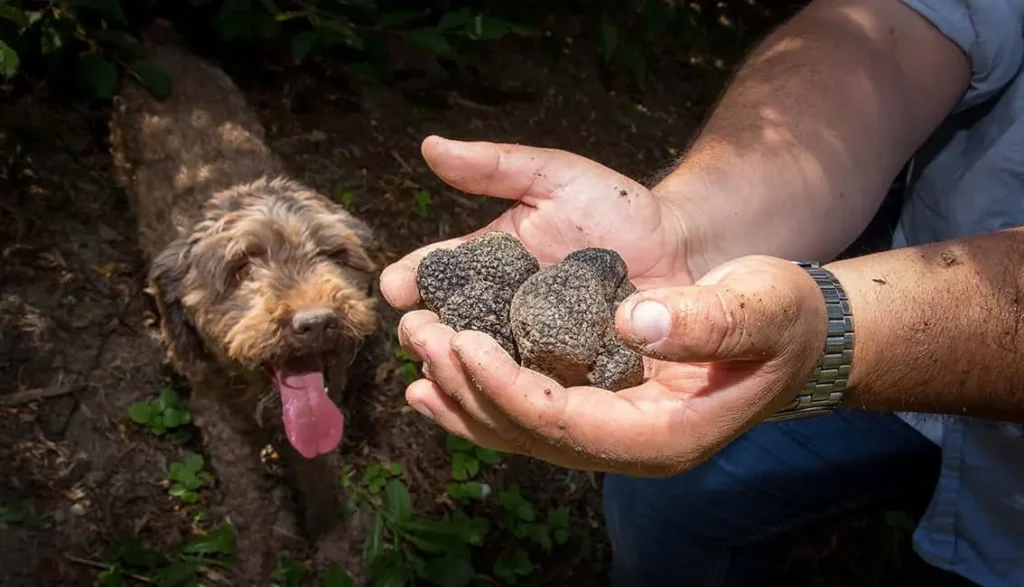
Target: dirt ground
x,y
76,348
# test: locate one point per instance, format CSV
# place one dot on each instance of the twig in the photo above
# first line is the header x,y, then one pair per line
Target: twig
x,y
402,162
30,395
99,565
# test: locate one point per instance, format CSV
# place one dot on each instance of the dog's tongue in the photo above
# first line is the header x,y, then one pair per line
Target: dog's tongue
x,y
312,422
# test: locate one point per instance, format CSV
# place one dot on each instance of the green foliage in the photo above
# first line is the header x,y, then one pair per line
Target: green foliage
x,y
187,477
11,516
167,413
455,548
408,364
100,39
467,458
181,569
421,201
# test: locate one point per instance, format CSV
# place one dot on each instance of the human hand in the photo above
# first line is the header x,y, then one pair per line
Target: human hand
x,y
564,202
726,352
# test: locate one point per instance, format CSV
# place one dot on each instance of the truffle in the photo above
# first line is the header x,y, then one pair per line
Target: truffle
x,y
559,320
471,286
563,321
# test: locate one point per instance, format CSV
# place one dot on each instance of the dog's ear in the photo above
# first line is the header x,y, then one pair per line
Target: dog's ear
x,y
165,283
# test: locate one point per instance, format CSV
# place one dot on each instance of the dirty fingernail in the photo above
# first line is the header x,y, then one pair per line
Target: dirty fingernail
x,y
650,321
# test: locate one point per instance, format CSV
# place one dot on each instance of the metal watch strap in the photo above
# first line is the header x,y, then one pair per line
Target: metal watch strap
x,y
825,387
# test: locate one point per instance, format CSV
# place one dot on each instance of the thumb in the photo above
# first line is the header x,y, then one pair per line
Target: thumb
x,y
504,170
755,308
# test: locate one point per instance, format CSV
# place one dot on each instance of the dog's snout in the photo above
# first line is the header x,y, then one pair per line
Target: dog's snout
x,y
314,322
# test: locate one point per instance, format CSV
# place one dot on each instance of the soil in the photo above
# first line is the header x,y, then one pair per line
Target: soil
x,y
77,347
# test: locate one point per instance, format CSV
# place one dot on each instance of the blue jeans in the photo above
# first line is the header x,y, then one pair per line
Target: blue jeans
x,y
716,524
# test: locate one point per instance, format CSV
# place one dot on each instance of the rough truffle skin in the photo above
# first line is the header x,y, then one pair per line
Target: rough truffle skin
x,y
471,286
563,321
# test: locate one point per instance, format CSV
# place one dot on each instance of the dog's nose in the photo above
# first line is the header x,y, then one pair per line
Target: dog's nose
x,y
314,322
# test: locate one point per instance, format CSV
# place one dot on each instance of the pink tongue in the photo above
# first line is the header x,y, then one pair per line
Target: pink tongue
x,y
312,422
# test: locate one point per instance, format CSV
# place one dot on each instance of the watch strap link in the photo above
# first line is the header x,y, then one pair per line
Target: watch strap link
x,y
825,387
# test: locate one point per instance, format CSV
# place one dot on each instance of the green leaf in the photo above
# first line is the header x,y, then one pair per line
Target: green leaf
x,y
292,571
15,15
218,541
467,490
609,39
398,575
302,45
459,444
194,463
111,577
397,501
167,398
449,571
485,455
10,63
516,564
343,32
515,504
455,19
335,577
50,39
397,17
110,9
140,412
485,28
374,540
119,38
180,573
132,553
155,78
178,472
431,40
172,418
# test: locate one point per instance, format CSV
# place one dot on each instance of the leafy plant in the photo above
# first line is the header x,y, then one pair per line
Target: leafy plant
x,y
17,516
421,201
187,478
181,569
467,458
407,364
167,413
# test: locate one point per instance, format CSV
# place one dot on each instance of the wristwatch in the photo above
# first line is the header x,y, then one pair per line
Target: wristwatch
x,y
825,387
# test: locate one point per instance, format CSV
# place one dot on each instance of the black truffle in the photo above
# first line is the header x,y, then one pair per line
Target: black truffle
x,y
559,321
471,286
563,321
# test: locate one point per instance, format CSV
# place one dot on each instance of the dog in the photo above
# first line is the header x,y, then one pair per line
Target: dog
x,y
263,288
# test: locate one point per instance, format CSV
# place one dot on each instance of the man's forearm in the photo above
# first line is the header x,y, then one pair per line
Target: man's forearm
x,y
940,328
799,152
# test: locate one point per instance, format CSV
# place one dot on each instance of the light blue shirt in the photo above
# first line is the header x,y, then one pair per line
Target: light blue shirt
x,y
969,179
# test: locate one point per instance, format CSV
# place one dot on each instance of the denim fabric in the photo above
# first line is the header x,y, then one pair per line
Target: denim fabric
x,y
717,524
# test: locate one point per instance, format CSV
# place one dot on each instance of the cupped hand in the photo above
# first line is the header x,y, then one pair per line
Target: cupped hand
x,y
728,351
563,202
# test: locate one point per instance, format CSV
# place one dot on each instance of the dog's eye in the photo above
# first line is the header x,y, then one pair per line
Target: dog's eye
x,y
243,271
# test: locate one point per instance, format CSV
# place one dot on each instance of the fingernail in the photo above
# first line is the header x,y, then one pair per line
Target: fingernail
x,y
423,409
650,321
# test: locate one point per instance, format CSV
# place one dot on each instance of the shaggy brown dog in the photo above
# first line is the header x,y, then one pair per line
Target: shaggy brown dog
x,y
262,287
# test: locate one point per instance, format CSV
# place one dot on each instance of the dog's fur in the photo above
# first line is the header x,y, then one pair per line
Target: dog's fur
x,y
235,248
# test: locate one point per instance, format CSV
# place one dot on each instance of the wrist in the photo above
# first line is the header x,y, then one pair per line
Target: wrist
x,y
825,361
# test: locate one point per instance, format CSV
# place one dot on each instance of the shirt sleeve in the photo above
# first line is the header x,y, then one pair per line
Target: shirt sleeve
x,y
989,32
